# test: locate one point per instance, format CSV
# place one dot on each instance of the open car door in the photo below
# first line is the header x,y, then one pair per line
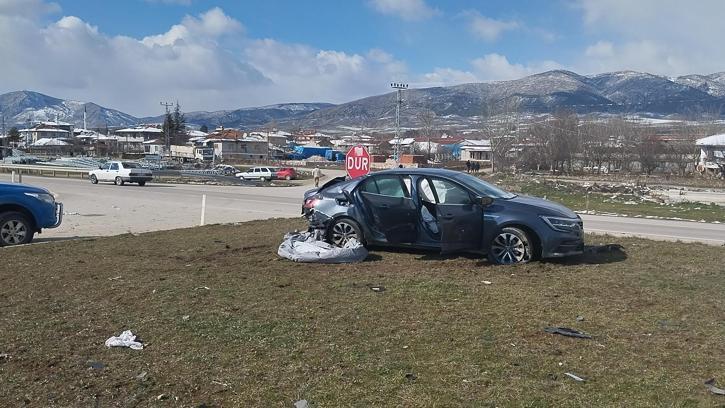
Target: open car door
x,y
460,218
391,212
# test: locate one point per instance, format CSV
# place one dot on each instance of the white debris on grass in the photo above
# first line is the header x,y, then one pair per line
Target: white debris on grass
x,y
126,339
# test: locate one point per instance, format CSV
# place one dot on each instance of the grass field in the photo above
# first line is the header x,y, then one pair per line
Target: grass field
x,y
228,323
631,201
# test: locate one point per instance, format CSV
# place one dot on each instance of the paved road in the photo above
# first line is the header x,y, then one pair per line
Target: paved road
x,y
106,209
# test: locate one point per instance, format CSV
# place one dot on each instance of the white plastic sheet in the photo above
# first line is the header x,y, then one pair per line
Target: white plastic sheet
x,y
126,339
305,247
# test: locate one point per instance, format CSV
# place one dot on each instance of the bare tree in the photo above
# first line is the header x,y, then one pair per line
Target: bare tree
x,y
499,124
427,119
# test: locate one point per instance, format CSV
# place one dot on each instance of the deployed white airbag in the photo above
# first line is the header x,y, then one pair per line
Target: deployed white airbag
x,y
305,247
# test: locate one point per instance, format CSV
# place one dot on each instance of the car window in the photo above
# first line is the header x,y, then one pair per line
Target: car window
x,y
255,170
107,166
450,193
129,165
390,186
114,166
483,188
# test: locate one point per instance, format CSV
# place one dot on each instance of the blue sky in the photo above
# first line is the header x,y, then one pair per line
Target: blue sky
x,y
357,26
221,54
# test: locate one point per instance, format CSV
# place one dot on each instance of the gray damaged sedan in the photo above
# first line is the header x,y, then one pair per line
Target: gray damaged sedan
x,y
442,210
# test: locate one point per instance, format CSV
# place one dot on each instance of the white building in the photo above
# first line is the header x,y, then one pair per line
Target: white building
x,y
144,132
476,151
712,153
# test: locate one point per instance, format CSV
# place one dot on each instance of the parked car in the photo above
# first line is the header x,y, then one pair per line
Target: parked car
x,y
256,173
442,210
24,211
286,173
121,172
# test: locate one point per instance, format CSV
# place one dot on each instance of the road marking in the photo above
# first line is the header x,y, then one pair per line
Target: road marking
x,y
641,234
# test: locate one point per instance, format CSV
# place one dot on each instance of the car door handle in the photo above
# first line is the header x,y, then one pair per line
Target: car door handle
x,y
448,217
384,206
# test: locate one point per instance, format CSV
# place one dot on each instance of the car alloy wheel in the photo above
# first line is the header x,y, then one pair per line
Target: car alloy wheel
x,y
118,181
510,246
13,232
94,179
342,231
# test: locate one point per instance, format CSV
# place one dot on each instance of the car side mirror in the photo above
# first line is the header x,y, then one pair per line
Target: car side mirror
x,y
484,201
100,167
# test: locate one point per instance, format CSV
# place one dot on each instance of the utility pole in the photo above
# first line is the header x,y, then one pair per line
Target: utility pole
x,y
399,87
5,137
167,105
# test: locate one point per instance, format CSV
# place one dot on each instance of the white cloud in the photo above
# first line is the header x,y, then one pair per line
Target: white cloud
x,y
410,10
206,62
496,67
445,77
667,37
602,49
490,67
488,29
211,24
303,73
27,8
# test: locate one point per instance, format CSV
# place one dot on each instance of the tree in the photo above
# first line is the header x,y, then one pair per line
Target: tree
x,y
168,130
648,148
204,128
500,119
427,123
14,135
178,123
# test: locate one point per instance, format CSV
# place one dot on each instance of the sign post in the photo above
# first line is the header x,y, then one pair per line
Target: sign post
x,y
357,161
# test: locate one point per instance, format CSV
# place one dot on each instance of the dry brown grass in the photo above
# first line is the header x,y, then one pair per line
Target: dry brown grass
x,y
268,332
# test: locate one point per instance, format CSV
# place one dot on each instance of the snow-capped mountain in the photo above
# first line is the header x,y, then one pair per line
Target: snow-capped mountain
x,y
713,84
616,92
26,106
249,118
626,92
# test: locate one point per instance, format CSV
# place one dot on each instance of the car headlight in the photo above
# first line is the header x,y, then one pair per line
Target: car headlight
x,y
44,197
562,224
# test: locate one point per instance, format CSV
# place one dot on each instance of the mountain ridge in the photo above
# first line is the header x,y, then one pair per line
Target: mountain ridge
x,y
612,92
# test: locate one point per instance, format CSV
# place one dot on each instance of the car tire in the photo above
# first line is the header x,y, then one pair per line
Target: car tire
x,y
94,179
141,183
242,178
118,181
511,246
288,177
15,229
342,229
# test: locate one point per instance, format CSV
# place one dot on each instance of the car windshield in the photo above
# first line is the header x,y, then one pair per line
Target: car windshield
x,y
129,165
483,188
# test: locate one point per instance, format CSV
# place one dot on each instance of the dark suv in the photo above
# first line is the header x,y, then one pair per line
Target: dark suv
x,y
25,210
443,210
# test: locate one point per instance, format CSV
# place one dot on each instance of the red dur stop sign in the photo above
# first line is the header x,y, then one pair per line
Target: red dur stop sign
x,y
357,161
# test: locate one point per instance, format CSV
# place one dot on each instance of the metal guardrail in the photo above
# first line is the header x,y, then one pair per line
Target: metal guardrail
x,y
52,171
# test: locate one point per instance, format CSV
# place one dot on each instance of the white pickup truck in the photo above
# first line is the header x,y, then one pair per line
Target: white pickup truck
x,y
121,172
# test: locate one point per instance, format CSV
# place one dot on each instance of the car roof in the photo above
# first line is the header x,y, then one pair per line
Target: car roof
x,y
420,172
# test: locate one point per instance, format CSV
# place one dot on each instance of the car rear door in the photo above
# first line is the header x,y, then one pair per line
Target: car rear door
x,y
459,216
391,212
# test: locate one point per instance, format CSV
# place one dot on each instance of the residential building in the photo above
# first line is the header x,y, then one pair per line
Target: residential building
x,y
143,132
476,151
46,130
